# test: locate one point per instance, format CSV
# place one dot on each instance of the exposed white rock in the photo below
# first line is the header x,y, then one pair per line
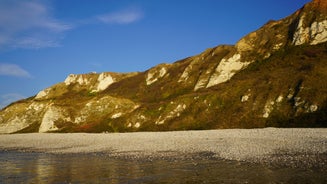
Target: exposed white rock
x,y
202,82
247,43
186,73
226,69
141,117
35,106
42,93
278,46
298,101
175,113
80,119
315,34
134,124
162,72
100,107
105,80
269,107
80,79
160,121
203,79
313,108
89,104
266,56
150,79
319,32
70,79
14,124
298,37
279,99
49,118
245,98
154,75
117,115
137,125
290,94
136,107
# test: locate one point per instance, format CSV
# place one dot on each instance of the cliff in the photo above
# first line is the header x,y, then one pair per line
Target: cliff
x,y
274,76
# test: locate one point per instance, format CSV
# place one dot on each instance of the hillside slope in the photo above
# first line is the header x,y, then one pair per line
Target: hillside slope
x,y
274,76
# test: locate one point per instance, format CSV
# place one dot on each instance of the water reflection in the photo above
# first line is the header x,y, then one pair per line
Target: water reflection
x,y
79,168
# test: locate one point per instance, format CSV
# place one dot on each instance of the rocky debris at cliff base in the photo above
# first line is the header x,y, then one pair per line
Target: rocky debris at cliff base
x,y
287,147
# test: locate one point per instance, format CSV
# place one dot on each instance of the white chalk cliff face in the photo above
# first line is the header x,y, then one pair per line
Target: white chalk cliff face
x,y
20,116
42,93
14,124
265,79
92,82
314,34
226,69
311,29
154,74
103,81
48,122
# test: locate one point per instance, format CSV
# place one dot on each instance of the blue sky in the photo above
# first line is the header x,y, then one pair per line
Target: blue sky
x,y
43,41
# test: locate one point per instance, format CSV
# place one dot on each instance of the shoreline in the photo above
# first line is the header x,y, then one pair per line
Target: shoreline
x,y
299,147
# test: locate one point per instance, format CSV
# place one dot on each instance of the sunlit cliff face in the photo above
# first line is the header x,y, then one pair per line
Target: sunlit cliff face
x,y
274,76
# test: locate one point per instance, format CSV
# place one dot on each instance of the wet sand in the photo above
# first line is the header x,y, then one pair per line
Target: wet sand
x,y
293,147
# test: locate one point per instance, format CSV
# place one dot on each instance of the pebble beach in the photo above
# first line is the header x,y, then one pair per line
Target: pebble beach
x,y
307,147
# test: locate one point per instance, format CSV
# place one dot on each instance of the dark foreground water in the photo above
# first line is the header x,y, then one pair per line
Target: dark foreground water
x,y
16,167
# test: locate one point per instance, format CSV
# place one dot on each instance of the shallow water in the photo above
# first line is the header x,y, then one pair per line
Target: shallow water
x,y
17,167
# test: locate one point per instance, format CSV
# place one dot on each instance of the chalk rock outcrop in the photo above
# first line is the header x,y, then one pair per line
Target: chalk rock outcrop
x,y
274,76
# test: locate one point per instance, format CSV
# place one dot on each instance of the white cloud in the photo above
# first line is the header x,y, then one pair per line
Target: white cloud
x,y
29,24
122,17
6,99
36,42
13,70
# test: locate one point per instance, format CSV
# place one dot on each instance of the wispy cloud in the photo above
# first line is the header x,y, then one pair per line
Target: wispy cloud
x,y
29,24
126,16
6,99
13,70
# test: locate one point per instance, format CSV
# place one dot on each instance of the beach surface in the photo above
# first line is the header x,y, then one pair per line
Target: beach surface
x,y
298,146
